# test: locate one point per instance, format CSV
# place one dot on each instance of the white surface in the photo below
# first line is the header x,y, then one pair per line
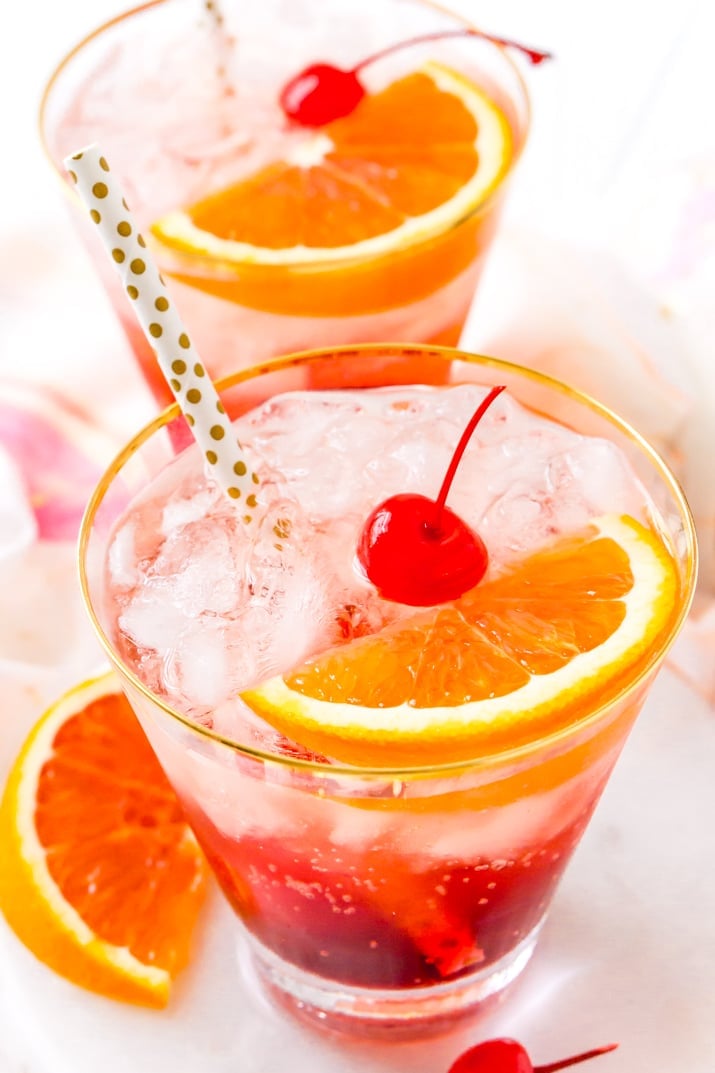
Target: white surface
x,y
622,137
628,954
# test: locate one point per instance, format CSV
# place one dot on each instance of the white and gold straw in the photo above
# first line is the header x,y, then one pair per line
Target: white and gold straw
x,y
175,354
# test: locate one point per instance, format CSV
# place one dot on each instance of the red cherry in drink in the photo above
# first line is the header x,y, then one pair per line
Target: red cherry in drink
x,y
417,551
411,559
322,92
508,1056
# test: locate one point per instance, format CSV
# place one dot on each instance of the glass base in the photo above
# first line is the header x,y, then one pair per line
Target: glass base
x,y
405,1013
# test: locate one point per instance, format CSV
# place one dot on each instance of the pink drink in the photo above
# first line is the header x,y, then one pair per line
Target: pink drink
x,y
187,587
187,108
382,896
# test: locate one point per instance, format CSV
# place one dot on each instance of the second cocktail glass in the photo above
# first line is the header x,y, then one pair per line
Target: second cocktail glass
x,y
277,237
377,896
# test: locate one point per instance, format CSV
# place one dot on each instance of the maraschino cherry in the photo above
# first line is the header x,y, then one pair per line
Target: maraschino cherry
x,y
323,92
415,550
508,1056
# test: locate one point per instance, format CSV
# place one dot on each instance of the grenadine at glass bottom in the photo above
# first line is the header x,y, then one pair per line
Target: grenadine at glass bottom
x,y
379,900
395,901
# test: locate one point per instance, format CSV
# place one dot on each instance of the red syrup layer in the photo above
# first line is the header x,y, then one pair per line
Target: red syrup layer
x,y
370,918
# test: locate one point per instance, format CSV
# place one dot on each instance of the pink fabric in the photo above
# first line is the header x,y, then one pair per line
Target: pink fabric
x,y
57,450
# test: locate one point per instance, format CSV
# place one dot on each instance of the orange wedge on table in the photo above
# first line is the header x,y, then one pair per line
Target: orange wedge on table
x,y
517,656
337,227
100,876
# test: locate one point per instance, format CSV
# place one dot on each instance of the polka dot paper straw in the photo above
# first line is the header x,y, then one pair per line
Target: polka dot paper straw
x,y
179,362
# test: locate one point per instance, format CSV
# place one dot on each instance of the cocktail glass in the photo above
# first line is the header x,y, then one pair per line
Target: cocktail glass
x,y
375,899
185,103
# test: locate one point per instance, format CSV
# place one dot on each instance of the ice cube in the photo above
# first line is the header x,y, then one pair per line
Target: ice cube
x,y
593,475
198,566
150,621
122,557
196,666
180,511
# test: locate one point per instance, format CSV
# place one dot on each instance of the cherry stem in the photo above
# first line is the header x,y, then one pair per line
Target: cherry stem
x,y
459,451
534,55
577,1058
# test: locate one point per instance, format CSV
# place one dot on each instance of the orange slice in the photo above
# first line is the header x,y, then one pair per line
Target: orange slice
x,y
100,876
407,165
523,654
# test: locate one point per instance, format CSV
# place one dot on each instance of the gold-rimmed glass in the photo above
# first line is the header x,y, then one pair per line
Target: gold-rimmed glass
x,y
172,98
351,882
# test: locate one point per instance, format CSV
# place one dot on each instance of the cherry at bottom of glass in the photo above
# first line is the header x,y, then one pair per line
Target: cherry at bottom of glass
x,y
367,945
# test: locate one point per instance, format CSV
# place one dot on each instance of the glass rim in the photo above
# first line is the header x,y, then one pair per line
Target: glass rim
x,y
498,757
186,259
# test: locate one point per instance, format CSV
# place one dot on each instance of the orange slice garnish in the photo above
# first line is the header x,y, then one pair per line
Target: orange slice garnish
x,y
517,656
407,165
100,877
